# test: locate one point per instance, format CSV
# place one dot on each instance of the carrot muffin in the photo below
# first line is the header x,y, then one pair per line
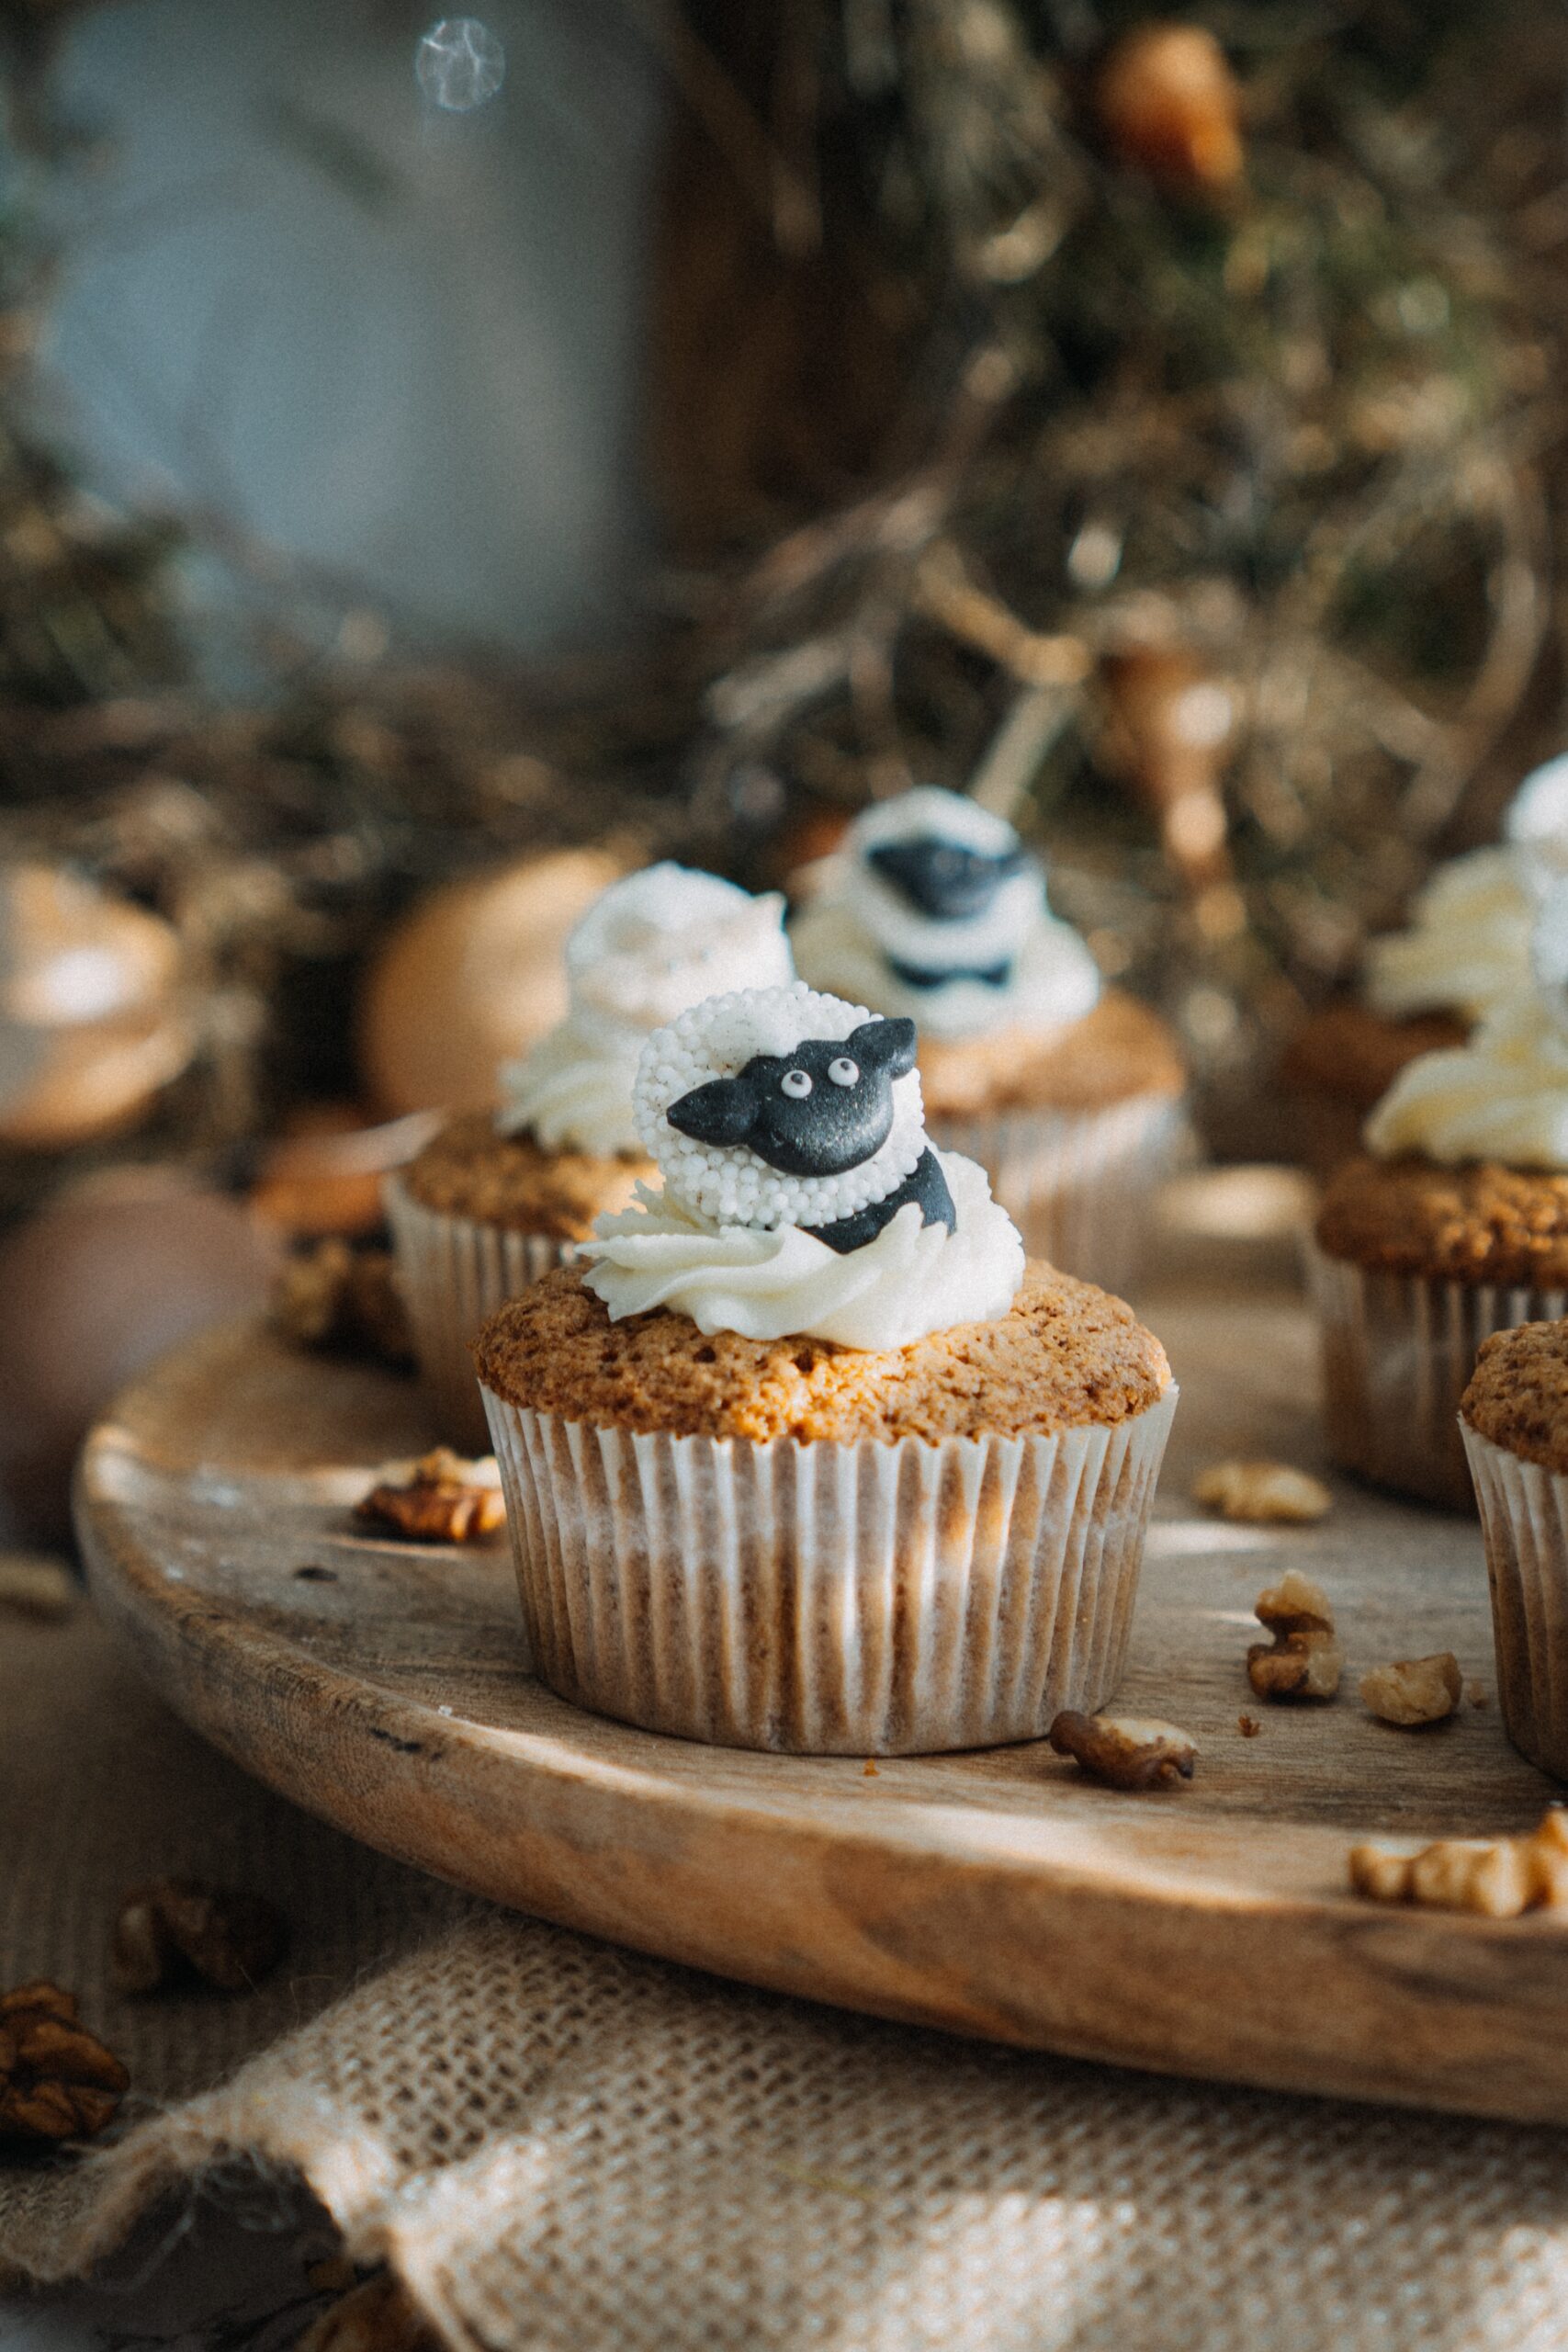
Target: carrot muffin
x,y
495,1201
1455,1226
1465,948
1514,1417
933,911
800,1454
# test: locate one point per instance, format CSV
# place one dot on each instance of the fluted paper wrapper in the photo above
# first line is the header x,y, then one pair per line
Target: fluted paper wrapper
x,y
455,1272
1076,1183
1524,1525
1398,1350
827,1598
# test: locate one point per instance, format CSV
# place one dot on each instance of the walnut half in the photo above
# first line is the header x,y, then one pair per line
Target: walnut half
x,y
1414,1690
1498,1877
1304,1659
1125,1751
1267,1493
57,2080
444,1500
177,1929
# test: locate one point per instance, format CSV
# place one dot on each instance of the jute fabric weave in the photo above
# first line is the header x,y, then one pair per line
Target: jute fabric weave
x,y
558,2145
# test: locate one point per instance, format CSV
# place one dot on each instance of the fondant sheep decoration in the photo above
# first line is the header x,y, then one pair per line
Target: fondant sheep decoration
x,y
947,889
819,1126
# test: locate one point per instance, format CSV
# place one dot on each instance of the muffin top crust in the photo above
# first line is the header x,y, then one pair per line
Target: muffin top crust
x,y
1118,1049
469,1170
1476,1223
1349,1051
1518,1395
1065,1356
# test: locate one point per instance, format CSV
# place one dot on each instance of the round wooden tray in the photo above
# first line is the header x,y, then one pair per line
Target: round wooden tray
x,y
1206,1931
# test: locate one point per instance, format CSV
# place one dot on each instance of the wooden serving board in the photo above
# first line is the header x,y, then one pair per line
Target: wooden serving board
x,y
1205,1931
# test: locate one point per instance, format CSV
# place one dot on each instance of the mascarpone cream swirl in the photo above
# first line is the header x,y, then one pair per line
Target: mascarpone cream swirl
x,y
1467,944
1005,963
646,949
784,1283
735,1238
1504,1094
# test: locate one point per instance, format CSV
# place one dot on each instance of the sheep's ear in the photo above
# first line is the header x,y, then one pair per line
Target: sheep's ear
x,y
721,1111
885,1044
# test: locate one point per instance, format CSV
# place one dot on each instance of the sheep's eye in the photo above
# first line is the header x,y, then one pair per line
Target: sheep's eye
x,y
844,1073
796,1084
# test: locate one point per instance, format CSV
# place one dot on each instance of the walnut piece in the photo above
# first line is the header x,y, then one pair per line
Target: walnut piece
x,y
1498,1877
34,1585
177,1930
343,1301
57,2080
442,1499
1249,1727
1265,1492
1125,1751
1304,1659
1414,1690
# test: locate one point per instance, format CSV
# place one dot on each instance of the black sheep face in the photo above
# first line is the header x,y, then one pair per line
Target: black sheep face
x,y
824,1108
943,879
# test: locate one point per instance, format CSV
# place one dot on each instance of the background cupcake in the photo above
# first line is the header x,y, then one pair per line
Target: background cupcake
x,y
496,1200
1067,1092
1465,948
1455,1226
1515,1424
805,1458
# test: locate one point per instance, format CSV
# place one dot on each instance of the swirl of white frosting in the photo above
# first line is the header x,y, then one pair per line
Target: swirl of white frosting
x,y
785,1283
1503,1096
1467,945
857,921
648,947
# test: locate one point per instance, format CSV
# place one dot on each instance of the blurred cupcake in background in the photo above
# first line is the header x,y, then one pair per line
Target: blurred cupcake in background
x,y
1454,1227
1465,948
496,1199
1068,1092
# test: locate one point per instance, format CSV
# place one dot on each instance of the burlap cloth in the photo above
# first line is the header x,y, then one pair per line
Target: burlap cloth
x,y
558,2145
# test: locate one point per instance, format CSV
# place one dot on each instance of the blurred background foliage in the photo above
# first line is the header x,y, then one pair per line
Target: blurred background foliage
x,y
1153,425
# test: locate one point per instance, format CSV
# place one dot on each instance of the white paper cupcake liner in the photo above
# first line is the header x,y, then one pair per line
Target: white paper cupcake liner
x,y
455,1272
826,1599
1524,1525
1398,1350
1076,1183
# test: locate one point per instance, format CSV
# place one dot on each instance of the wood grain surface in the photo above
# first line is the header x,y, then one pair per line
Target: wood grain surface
x,y
1205,1931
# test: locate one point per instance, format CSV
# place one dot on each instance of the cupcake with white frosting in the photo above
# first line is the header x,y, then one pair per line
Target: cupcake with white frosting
x,y
803,1455
1454,1227
1068,1092
496,1200
1465,949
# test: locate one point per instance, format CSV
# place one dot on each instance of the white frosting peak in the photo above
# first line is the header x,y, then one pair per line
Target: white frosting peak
x,y
1503,1095
860,927
648,947
1466,946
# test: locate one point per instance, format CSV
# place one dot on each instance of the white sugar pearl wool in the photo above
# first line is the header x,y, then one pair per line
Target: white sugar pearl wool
x,y
730,1184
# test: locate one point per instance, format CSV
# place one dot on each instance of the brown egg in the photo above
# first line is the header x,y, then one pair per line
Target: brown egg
x,y
470,978
91,1025
1169,105
114,1271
